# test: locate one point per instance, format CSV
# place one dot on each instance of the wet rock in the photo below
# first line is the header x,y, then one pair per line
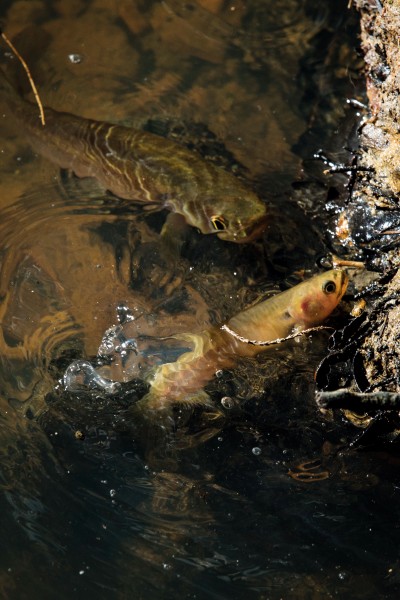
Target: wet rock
x,y
374,137
380,350
361,374
380,29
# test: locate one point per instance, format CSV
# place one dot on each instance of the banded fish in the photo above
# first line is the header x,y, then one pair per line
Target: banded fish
x,y
143,167
304,306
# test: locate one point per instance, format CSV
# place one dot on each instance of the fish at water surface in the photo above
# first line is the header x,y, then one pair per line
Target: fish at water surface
x,y
305,305
143,167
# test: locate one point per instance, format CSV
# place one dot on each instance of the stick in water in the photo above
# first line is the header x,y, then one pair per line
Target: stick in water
x,y
28,73
352,400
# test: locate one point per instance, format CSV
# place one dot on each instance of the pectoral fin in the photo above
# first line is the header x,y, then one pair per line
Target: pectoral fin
x,y
173,232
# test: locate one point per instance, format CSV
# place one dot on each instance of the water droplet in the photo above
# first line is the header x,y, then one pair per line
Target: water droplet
x,y
256,451
81,374
227,402
124,314
75,59
325,262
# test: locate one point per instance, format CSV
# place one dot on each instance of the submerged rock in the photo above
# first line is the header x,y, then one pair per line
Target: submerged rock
x,y
365,357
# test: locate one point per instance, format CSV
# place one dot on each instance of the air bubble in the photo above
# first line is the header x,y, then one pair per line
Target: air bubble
x,y
256,451
325,262
227,402
75,59
81,374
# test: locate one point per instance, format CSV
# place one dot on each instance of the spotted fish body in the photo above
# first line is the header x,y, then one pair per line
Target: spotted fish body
x,y
143,167
301,307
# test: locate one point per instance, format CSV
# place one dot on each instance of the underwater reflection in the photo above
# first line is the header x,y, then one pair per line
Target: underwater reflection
x,y
203,503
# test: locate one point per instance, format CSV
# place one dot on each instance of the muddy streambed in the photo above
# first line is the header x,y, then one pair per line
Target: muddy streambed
x,y
263,497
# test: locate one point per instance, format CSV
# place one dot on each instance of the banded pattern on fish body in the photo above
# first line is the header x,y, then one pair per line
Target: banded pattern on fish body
x,y
144,167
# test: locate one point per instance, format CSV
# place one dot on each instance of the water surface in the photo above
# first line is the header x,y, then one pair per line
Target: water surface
x,y
263,498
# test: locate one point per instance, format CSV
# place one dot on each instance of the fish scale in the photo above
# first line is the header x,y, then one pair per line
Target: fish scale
x,y
145,168
304,306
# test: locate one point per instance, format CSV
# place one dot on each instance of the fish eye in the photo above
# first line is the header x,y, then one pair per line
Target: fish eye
x,y
329,287
219,223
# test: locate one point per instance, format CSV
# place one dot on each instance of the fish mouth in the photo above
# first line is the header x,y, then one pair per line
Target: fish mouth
x,y
245,234
256,229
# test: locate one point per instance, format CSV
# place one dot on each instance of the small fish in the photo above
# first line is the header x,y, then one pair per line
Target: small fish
x,y
304,306
143,167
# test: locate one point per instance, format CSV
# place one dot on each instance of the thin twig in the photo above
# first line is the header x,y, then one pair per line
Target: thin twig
x,y
271,342
350,264
352,400
27,71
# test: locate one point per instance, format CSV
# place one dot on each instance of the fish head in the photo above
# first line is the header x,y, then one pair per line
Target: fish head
x,y
315,299
236,218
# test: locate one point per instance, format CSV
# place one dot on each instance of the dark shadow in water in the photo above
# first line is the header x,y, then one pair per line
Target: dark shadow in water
x,y
258,496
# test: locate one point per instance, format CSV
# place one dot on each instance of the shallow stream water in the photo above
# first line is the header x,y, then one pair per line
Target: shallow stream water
x,y
263,498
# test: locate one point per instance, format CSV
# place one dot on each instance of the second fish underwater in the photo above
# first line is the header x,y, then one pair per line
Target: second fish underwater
x,y
248,333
